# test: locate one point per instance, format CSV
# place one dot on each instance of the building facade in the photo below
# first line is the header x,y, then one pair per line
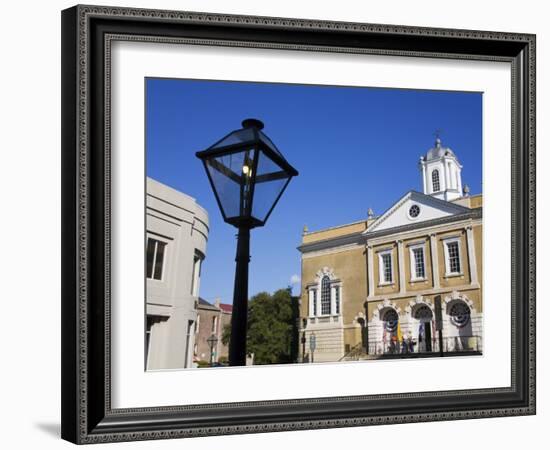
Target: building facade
x,y
176,236
376,287
211,321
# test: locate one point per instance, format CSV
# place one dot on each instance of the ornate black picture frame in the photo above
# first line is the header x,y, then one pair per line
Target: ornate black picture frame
x,y
87,33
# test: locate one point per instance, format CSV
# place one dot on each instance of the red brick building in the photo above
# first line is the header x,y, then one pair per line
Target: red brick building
x,y
211,320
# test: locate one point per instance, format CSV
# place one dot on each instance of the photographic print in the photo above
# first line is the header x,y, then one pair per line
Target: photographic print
x,y
295,223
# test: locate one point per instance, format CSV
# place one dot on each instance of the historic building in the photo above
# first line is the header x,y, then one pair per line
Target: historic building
x,y
376,287
176,235
211,320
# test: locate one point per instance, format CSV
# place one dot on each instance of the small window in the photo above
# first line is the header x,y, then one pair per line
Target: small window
x,y
419,270
325,295
453,257
337,299
435,180
414,211
155,258
386,275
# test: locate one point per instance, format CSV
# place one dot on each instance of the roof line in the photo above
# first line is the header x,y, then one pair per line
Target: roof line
x,y
335,227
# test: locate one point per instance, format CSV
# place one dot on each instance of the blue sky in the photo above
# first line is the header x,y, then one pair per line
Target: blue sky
x,y
355,148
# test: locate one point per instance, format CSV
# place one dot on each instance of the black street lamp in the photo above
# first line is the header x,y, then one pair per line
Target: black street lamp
x,y
248,175
212,341
312,344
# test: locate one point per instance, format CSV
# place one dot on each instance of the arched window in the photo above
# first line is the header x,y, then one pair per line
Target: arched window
x,y
435,180
325,295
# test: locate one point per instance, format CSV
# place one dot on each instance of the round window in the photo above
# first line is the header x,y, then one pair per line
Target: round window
x,y
460,314
414,211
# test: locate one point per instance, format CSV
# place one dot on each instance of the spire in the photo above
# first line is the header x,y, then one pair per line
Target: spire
x,y
437,134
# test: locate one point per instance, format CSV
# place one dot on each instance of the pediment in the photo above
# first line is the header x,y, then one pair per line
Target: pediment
x,y
429,208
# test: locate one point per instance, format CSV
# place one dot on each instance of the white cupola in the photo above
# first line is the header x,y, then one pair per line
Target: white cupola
x,y
440,170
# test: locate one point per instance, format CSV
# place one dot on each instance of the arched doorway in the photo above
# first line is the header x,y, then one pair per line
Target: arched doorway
x,y
460,331
422,328
390,323
363,327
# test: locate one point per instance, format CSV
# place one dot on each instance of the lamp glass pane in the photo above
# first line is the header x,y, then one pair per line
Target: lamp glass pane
x,y
236,137
226,173
270,181
267,141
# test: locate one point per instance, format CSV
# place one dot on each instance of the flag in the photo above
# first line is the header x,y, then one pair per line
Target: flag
x,y
399,335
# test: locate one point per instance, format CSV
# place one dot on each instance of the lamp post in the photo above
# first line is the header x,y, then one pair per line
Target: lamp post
x,y
312,344
248,175
212,341
304,324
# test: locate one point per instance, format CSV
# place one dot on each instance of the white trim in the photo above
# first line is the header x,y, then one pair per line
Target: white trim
x,y
401,266
447,208
381,269
313,311
472,263
424,231
435,260
165,256
446,242
424,177
370,269
315,294
411,218
412,261
427,292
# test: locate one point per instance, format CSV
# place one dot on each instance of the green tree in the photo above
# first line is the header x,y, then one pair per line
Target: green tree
x,y
272,327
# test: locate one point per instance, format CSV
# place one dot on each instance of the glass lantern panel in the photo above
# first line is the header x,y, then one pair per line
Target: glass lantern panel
x,y
270,181
267,141
236,137
227,174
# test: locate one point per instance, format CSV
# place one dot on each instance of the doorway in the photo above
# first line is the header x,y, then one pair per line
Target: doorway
x,y
424,317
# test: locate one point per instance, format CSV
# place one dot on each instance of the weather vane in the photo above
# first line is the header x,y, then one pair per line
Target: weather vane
x,y
437,133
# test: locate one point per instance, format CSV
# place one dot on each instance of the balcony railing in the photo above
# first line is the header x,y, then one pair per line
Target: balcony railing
x,y
452,344
413,348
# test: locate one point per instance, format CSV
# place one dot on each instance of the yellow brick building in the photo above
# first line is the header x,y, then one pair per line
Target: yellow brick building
x,y
373,288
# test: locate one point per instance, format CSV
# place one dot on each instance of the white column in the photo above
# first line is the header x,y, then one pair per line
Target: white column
x,y
332,300
472,263
370,263
435,261
401,262
318,300
424,178
459,187
310,306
